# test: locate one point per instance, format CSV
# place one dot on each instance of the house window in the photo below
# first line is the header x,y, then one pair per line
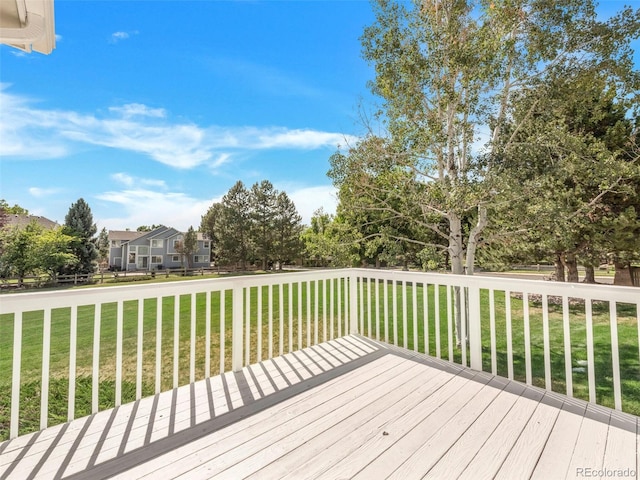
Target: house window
x,y
143,250
205,244
132,257
175,258
115,243
200,258
157,259
177,240
157,243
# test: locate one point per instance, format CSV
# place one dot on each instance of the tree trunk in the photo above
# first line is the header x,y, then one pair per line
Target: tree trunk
x,y
623,274
572,268
474,235
559,267
455,252
589,274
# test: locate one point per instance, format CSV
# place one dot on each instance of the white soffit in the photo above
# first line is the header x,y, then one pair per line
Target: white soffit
x,y
28,25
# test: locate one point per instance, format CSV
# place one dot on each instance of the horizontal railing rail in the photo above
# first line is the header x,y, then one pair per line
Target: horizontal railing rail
x,y
65,354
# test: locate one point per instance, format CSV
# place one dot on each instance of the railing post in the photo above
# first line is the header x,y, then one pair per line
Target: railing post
x,y
236,325
475,328
353,303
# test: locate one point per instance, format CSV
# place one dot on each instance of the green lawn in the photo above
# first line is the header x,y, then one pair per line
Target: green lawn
x,y
293,335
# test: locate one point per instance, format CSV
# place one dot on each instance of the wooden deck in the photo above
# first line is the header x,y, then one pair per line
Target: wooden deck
x,y
349,408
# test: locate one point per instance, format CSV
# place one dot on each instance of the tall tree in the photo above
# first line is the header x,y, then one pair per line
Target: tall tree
x,y
79,223
209,226
234,226
263,215
449,71
102,245
287,228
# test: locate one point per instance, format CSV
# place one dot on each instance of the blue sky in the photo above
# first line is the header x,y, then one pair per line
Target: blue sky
x,y
152,110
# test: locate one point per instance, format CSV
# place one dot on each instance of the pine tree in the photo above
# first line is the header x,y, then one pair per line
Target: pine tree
x,y
79,223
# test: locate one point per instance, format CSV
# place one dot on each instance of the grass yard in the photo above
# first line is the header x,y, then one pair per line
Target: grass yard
x,y
295,332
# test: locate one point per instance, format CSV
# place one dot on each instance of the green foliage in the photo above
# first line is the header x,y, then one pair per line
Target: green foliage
x,y
79,223
33,250
15,210
259,224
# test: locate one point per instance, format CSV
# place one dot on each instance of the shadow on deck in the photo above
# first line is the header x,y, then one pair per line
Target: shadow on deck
x,y
348,408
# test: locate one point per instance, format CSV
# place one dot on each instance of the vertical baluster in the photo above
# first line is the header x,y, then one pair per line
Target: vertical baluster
x,y
119,332
316,303
450,321
463,324
369,293
331,329
207,334
615,358
425,316
325,301
270,314
385,292
394,314
139,346
299,289
492,331
436,306
158,344
46,353
259,323
308,316
377,317
281,336
414,314
340,286
176,340
237,324
95,371
361,305
192,350
507,307
546,342
290,297
247,332
15,375
591,374
223,330
527,339
73,346
567,345
405,326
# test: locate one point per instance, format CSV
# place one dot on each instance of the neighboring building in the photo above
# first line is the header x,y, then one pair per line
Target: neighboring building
x,y
21,221
153,250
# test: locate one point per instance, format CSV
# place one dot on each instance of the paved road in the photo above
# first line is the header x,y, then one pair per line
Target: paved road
x,y
538,276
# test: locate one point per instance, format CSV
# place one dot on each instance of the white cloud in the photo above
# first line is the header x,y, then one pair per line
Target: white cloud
x,y
43,192
117,36
129,181
310,199
145,207
31,132
137,109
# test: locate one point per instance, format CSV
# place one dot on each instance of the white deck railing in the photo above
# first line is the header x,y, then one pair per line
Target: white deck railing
x,y
169,334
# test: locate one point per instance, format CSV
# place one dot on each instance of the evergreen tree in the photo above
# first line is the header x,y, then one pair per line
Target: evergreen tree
x,y
263,212
234,226
287,228
79,224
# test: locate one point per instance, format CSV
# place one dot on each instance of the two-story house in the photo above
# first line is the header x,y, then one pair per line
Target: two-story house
x,y
153,250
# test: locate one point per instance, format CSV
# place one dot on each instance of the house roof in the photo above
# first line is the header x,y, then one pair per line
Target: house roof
x,y
28,25
125,235
15,220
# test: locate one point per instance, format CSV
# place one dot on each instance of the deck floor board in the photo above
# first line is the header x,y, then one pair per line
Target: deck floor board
x,y
347,408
